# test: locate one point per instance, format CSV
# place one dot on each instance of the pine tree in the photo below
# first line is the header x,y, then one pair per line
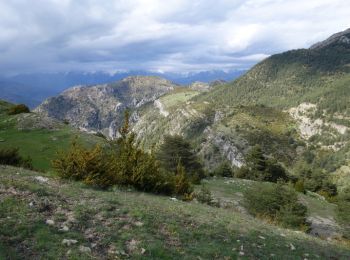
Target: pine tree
x,y
175,149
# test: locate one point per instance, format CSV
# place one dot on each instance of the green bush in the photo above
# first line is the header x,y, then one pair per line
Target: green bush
x,y
343,212
18,109
11,156
260,168
79,163
182,183
277,203
204,196
316,181
224,170
299,186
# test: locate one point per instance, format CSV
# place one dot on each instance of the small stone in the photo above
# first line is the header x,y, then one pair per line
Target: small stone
x,y
85,249
261,237
69,242
50,222
64,229
241,253
292,247
173,199
31,204
41,179
138,224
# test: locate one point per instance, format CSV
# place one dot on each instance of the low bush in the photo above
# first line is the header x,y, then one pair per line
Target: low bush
x,y
224,170
18,109
11,156
317,181
204,196
260,168
182,183
278,203
343,212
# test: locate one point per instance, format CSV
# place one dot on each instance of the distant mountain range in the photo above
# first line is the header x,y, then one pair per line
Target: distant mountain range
x,y
32,89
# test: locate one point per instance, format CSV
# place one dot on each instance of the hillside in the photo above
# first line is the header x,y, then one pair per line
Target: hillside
x,y
45,217
37,136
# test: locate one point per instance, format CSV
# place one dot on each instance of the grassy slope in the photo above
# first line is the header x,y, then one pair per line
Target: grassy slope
x,y
39,143
127,222
231,189
288,79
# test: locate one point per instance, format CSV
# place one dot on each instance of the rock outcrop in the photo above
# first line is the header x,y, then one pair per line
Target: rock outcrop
x,y
100,108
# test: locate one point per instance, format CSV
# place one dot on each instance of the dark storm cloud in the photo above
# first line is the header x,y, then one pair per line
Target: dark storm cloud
x,y
173,35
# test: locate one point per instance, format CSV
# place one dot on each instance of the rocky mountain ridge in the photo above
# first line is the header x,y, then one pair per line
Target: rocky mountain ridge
x,y
100,108
340,38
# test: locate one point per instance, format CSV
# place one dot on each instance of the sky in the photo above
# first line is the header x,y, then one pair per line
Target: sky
x,y
159,35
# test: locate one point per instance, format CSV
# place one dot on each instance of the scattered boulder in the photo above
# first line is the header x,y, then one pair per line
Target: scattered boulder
x,y
41,179
64,228
69,242
50,222
85,249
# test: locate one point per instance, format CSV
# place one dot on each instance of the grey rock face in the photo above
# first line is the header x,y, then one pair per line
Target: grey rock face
x,y
200,86
341,37
100,107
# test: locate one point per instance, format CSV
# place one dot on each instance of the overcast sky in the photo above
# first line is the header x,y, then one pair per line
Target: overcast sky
x,y
159,35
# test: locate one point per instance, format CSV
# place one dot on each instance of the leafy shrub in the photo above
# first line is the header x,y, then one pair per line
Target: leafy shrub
x,y
299,186
224,170
343,212
276,202
317,181
259,167
204,196
18,109
79,163
182,183
11,156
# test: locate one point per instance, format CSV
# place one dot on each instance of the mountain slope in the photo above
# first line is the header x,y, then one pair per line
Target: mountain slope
x,y
319,74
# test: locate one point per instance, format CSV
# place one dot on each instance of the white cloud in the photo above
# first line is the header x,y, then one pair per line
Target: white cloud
x,y
172,35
